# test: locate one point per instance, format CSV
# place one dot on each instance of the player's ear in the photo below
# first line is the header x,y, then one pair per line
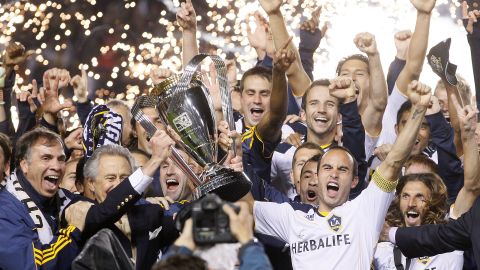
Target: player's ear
x,y
354,182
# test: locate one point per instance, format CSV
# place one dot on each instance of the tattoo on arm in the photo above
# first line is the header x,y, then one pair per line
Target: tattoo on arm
x,y
416,113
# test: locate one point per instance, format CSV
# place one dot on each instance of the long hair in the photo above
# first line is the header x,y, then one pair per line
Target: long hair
x,y
437,206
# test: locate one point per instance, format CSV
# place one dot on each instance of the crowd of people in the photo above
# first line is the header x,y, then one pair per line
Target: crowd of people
x,y
360,171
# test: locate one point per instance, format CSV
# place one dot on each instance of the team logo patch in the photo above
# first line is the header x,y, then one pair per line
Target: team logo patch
x,y
423,260
335,223
310,215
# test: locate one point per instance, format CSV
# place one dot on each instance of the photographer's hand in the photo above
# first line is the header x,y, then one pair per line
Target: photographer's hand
x,y
241,224
186,238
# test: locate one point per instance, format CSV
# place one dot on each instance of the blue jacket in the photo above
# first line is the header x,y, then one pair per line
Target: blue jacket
x,y
20,246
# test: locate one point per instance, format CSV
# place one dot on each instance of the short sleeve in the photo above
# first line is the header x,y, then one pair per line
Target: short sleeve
x,y
273,219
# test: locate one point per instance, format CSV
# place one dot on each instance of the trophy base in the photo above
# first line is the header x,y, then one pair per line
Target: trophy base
x,y
228,184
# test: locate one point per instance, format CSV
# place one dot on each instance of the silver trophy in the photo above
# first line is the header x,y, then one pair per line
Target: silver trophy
x,y
185,104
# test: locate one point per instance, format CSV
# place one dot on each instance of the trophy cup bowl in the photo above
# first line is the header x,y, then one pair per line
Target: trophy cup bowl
x,y
185,105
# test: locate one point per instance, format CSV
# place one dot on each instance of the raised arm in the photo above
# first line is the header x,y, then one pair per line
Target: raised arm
x,y
80,90
270,127
402,42
377,94
187,20
467,117
419,94
418,44
53,80
310,37
470,21
297,77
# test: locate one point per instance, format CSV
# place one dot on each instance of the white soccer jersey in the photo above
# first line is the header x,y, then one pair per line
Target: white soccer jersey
x,y
370,144
384,260
344,239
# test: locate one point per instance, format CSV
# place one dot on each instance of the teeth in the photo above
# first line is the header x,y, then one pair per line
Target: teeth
x,y
52,177
332,185
412,213
172,181
321,119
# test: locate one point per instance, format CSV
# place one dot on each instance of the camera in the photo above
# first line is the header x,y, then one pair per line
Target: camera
x,y
210,224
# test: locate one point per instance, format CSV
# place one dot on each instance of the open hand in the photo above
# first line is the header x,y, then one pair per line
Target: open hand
x,y
53,79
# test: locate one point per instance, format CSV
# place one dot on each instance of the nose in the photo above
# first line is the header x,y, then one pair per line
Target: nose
x,y
334,174
171,169
257,99
321,108
117,181
353,76
313,181
412,202
57,165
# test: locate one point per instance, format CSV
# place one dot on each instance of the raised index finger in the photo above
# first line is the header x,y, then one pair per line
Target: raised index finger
x,y
285,45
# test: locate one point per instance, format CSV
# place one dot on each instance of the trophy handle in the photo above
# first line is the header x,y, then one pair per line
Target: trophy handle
x,y
150,128
226,98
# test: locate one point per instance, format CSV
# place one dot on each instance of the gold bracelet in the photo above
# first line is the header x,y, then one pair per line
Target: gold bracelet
x,y
382,183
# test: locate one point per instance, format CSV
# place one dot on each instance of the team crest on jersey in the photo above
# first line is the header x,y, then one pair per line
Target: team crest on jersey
x,y
335,222
423,260
310,215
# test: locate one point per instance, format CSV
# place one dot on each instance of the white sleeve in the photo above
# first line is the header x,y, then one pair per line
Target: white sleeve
x,y
370,143
383,256
139,181
282,164
374,203
273,219
456,260
395,101
286,131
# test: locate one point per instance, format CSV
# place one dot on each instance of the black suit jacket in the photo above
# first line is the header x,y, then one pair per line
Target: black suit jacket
x,y
151,232
429,240
102,215
144,220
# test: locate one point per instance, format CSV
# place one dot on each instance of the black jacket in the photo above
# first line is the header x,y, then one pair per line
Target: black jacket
x,y
429,240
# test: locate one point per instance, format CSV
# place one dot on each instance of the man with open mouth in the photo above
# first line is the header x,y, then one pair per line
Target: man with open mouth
x,y
174,182
338,228
309,186
421,199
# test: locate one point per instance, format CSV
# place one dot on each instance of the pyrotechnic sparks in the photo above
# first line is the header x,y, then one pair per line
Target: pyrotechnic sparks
x,y
118,42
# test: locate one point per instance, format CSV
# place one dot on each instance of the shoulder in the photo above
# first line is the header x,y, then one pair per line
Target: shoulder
x,y
10,205
303,207
298,127
284,148
14,218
